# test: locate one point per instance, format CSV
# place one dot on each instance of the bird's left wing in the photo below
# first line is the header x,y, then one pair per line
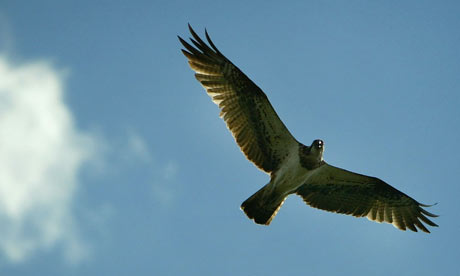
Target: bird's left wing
x,y
341,191
256,127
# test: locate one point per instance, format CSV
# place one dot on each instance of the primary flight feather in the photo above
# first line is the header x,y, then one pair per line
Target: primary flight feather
x,y
293,167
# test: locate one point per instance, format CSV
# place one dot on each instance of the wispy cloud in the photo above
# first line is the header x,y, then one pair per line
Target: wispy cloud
x,y
137,148
164,190
163,172
41,153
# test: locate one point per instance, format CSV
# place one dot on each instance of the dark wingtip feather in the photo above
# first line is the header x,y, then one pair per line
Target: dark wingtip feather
x,y
187,54
195,36
427,205
427,221
182,41
424,229
210,42
428,213
425,211
187,45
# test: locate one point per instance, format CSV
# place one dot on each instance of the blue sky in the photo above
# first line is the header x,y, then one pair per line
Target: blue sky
x,y
115,162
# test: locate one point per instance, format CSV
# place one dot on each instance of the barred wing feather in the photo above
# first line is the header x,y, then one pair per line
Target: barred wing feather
x,y
341,191
245,108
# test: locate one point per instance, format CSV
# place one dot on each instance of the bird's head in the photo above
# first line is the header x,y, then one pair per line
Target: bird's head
x,y
317,148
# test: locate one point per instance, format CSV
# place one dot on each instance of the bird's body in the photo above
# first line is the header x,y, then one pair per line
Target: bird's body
x,y
292,166
264,204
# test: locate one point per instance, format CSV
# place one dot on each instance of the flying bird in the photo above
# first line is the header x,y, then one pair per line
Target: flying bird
x,y
294,168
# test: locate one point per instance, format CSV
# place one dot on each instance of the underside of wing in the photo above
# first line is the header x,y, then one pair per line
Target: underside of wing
x,y
337,190
256,127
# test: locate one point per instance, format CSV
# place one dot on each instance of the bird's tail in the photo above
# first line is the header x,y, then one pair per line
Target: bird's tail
x,y
263,206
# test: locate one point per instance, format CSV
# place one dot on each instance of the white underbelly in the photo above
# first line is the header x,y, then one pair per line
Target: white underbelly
x,y
290,177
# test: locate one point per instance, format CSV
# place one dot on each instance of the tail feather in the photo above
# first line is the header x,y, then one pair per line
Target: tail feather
x,y
262,206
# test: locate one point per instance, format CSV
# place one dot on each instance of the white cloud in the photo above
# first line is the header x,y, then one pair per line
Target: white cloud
x,y
41,152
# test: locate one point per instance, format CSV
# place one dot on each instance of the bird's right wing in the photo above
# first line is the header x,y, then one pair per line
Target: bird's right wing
x,y
256,127
341,191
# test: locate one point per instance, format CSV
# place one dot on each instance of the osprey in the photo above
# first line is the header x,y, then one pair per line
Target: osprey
x,y
293,167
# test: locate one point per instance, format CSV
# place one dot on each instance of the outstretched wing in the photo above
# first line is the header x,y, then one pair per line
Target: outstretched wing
x,y
337,190
256,127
